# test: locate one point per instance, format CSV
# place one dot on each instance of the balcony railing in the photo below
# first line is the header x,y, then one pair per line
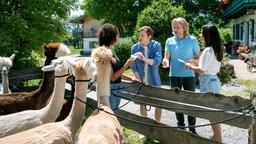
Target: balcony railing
x,y
237,8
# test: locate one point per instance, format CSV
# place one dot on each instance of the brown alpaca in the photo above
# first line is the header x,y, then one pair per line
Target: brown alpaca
x,y
60,132
102,127
103,58
15,102
24,120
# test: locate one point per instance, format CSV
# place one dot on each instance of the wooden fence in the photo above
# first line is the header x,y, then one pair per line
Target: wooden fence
x,y
176,100
186,102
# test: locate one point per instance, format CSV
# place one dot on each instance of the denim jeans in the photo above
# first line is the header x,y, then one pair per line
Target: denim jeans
x,y
187,83
209,83
113,100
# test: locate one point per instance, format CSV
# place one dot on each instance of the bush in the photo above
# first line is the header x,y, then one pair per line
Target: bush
x,y
225,34
227,72
123,49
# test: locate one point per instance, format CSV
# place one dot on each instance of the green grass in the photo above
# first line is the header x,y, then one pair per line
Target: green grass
x,y
132,137
248,86
34,82
74,51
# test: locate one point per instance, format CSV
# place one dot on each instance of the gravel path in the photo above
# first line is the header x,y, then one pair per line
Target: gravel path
x,y
241,70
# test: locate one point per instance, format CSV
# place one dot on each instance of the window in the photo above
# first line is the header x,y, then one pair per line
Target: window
x,y
252,31
242,31
237,31
234,31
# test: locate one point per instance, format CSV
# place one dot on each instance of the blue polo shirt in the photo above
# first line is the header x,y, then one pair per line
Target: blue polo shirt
x,y
184,49
154,53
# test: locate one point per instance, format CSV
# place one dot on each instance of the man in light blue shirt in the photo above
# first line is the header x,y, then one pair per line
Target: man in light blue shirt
x,y
179,48
149,56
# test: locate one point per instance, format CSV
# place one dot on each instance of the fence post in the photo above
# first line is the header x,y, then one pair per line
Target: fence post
x,y
252,129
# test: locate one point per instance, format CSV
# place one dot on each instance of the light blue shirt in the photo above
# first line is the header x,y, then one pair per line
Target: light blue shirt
x,y
154,53
184,49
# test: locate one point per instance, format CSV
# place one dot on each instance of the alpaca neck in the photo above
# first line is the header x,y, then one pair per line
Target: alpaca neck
x,y
52,110
5,82
103,84
75,117
45,89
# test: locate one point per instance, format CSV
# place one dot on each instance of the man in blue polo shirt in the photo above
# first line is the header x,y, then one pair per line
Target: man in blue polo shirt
x,y
145,68
179,48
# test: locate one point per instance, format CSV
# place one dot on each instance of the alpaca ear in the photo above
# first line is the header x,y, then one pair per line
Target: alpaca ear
x,y
12,56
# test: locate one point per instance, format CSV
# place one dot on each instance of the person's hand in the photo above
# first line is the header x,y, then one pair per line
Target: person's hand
x,y
188,65
140,55
134,80
193,61
165,63
130,61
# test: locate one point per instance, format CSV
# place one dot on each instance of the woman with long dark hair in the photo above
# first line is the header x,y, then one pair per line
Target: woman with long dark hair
x,y
209,66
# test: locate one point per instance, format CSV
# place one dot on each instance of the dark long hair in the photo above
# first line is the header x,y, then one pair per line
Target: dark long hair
x,y
212,39
107,35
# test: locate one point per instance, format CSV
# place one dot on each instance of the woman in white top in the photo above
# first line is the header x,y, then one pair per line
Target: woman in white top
x,y
209,66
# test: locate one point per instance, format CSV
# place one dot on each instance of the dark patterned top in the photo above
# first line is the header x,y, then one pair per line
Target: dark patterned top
x,y
117,66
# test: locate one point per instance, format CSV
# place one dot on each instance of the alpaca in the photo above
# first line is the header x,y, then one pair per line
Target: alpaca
x,y
16,102
9,124
5,65
62,132
102,127
103,58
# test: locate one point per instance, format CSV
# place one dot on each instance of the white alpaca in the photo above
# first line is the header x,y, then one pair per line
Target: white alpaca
x,y
60,132
103,58
17,122
102,127
5,65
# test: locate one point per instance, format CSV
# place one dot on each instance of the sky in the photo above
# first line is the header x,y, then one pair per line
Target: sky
x,y
77,12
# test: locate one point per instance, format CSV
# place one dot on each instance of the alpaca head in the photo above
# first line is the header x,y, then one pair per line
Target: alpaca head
x,y
55,50
60,66
103,55
6,63
84,68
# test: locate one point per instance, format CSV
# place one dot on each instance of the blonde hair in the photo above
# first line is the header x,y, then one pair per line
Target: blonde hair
x,y
183,22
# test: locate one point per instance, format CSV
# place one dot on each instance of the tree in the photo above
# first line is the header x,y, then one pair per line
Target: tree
x,y
159,16
26,25
200,12
122,13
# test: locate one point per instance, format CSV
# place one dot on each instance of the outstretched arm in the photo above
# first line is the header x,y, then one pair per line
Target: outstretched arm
x,y
119,73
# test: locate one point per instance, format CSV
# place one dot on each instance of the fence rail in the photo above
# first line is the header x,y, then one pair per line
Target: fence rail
x,y
23,75
191,103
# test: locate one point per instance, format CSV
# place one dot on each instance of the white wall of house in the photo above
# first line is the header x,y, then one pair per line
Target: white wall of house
x,y
244,30
90,29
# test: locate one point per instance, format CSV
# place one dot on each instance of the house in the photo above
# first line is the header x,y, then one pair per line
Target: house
x,y
90,29
243,14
